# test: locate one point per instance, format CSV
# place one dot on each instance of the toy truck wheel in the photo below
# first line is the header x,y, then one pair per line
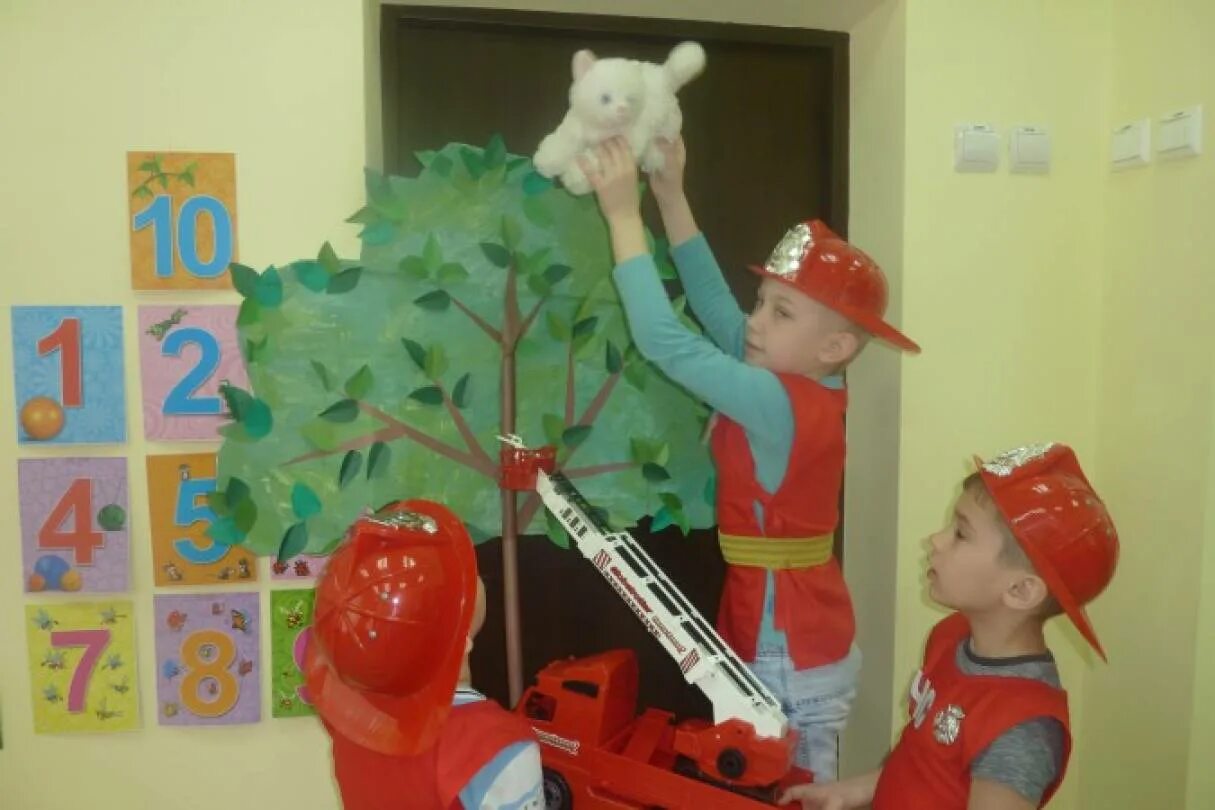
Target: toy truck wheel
x,y
731,763
557,793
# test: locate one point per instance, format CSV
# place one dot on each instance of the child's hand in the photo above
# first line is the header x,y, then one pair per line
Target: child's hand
x,y
614,180
667,184
829,796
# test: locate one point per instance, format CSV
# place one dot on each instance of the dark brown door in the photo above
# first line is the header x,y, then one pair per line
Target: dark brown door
x,y
766,128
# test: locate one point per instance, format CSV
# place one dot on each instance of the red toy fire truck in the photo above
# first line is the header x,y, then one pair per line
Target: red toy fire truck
x,y
598,752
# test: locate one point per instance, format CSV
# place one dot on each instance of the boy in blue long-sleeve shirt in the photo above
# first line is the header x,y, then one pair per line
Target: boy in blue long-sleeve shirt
x,y
773,378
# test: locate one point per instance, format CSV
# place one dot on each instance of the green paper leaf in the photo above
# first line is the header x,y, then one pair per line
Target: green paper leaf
x,y
662,519
364,216
149,166
351,464
435,301
295,539
452,273
553,426
379,234
612,359
359,384
217,502
576,435
323,374
258,419
655,473
436,361
238,401
710,493
344,281
244,515
244,279
556,273
472,163
585,327
236,491
224,532
304,501
250,313
495,152
312,275
344,410
328,259
416,352
538,285
497,254
269,291
558,328
428,395
378,458
425,156
441,165
535,183
637,374
459,394
414,267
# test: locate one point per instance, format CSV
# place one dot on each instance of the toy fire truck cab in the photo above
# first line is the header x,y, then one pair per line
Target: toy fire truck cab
x,y
599,754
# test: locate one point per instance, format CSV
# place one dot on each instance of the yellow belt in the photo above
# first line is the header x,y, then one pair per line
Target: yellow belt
x,y
776,553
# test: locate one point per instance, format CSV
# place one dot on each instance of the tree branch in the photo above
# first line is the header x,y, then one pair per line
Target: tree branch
x,y
395,429
470,439
569,384
531,317
532,503
494,334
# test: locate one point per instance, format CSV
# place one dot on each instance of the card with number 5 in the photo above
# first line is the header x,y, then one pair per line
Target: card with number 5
x,y
185,354
182,552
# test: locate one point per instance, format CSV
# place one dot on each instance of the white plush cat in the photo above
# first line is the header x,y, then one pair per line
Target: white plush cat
x,y
618,97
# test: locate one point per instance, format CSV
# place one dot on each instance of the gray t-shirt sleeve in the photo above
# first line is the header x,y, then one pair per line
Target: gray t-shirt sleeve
x,y
1026,758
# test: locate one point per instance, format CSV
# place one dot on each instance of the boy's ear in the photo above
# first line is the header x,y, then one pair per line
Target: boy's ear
x,y
840,347
1028,592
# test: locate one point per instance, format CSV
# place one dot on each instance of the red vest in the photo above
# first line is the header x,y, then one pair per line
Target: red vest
x,y
472,736
812,604
954,717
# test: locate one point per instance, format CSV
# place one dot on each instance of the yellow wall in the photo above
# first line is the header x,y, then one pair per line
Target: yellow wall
x,y
278,82
1029,294
1152,710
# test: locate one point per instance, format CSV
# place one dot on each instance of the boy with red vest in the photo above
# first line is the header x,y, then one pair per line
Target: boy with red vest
x,y
773,379
988,726
396,610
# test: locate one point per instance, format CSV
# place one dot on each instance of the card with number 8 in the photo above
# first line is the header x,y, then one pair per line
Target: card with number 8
x,y
208,659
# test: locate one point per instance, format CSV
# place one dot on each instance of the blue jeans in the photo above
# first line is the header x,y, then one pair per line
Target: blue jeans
x,y
816,701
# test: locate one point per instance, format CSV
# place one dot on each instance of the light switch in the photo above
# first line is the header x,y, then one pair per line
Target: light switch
x,y
1029,150
1131,144
1181,133
976,148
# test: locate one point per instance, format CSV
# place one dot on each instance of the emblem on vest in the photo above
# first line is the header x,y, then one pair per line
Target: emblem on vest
x,y
922,696
947,725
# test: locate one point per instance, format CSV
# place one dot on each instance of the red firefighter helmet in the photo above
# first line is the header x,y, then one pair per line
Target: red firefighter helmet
x,y
1060,522
393,611
813,260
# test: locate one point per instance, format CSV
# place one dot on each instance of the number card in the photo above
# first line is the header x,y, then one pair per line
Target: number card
x,y
82,666
68,374
208,659
184,354
303,566
182,553
290,626
182,219
74,524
